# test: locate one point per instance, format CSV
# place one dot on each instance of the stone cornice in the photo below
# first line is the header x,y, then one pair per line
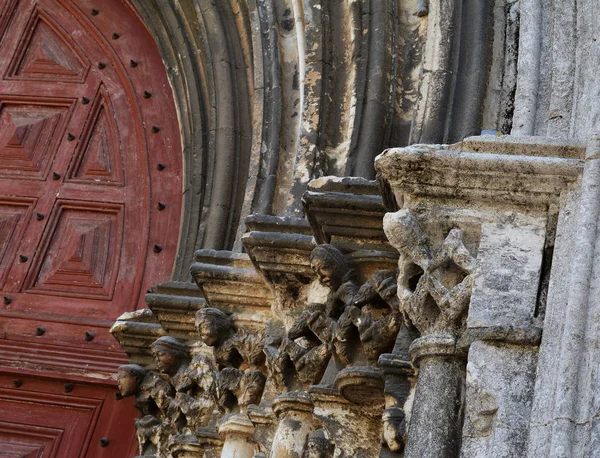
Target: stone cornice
x,y
229,281
279,247
511,172
347,212
175,304
136,331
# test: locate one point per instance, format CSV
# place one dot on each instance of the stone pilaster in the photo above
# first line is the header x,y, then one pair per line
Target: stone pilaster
x,y
503,195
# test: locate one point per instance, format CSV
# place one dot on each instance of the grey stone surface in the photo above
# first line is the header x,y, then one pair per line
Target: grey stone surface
x,y
500,382
509,264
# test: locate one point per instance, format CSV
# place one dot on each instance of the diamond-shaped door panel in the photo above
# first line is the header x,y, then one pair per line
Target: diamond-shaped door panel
x,y
98,157
28,441
80,252
47,53
6,13
14,214
29,135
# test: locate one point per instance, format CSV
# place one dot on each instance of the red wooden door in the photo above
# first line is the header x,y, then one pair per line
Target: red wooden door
x,y
89,146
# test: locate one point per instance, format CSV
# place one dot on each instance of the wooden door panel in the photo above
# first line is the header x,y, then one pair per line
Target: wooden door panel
x,y
94,150
30,132
89,144
46,53
39,414
80,252
14,215
28,441
79,123
99,156
7,10
73,419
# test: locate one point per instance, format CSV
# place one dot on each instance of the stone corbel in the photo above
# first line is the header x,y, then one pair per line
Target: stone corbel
x,y
229,282
348,213
174,305
279,248
136,331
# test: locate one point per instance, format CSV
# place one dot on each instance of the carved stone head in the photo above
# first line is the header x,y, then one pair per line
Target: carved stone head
x,y
319,446
169,354
330,265
130,377
394,426
212,325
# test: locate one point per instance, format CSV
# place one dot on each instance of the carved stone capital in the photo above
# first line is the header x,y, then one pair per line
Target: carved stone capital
x,y
296,402
392,364
237,432
185,446
361,385
442,344
236,426
436,279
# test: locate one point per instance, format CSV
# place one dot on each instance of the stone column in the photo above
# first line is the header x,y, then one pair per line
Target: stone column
x,y
237,432
294,411
435,423
434,287
264,423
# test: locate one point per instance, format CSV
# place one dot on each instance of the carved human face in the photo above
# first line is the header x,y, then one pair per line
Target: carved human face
x,y
326,272
391,436
127,383
166,361
207,329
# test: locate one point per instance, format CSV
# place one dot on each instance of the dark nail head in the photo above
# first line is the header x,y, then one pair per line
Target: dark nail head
x,y
158,248
8,300
40,331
